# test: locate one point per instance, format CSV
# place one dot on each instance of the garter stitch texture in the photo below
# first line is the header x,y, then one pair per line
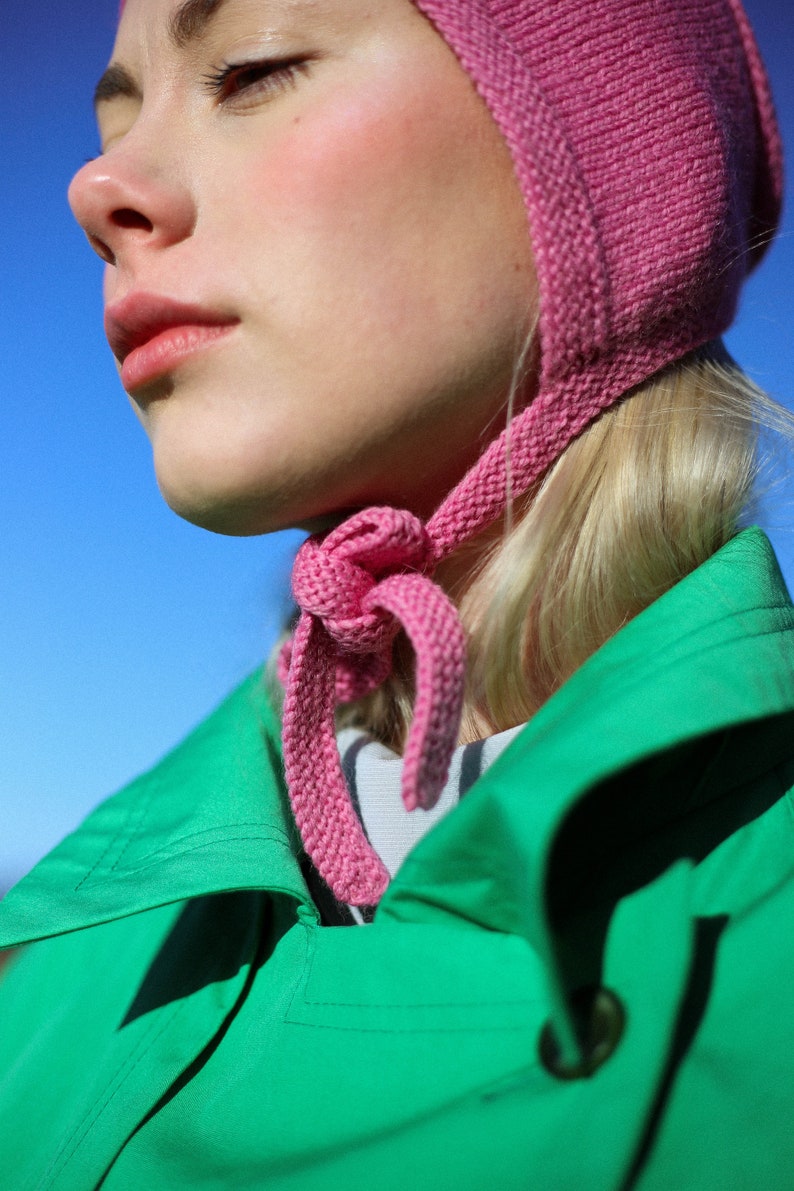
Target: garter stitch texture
x,y
645,144
355,588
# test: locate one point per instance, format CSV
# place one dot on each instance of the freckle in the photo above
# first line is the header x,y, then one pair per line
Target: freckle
x,y
296,120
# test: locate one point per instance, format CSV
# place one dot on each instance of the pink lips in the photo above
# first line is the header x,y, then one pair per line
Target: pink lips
x,y
150,336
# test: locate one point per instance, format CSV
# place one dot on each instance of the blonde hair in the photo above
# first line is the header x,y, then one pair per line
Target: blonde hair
x,y
642,497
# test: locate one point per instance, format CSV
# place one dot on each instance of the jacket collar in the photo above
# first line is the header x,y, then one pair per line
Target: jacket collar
x,y
211,817
640,759
714,653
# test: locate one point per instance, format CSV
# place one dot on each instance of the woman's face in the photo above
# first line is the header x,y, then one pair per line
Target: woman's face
x,y
318,265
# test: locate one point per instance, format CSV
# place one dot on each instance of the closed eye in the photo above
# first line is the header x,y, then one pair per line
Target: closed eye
x,y
243,81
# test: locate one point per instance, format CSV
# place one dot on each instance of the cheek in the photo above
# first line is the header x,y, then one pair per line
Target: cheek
x,y
377,177
391,252
339,155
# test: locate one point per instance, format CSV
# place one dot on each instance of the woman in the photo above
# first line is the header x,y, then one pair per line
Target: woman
x,y
443,283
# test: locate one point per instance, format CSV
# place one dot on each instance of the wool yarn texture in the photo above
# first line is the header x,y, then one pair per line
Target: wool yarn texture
x,y
356,587
644,140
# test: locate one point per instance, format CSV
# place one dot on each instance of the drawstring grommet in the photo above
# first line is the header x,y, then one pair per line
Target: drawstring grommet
x,y
600,1020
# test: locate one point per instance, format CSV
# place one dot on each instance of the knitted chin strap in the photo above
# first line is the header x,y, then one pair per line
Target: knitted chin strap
x,y
356,587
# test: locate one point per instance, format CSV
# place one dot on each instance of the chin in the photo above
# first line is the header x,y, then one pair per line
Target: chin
x,y
237,510
209,489
221,511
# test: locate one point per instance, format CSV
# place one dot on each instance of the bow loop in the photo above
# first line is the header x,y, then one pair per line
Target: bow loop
x,y
333,576
382,540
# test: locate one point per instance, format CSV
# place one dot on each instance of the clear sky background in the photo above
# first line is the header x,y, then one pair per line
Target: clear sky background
x,y
120,625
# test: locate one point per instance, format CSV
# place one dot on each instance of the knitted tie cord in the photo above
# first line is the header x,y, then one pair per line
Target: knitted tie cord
x,y
355,588
644,141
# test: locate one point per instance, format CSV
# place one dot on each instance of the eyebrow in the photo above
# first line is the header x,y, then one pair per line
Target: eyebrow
x,y
190,20
114,82
186,25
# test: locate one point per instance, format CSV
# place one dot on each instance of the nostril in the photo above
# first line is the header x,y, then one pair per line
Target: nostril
x,y
126,217
102,250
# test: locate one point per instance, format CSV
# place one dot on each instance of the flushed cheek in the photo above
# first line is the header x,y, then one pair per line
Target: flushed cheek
x,y
361,144
367,187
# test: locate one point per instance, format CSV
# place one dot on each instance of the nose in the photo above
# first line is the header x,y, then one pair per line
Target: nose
x,y
124,207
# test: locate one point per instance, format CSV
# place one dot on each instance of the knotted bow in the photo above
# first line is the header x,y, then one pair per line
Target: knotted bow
x,y
356,588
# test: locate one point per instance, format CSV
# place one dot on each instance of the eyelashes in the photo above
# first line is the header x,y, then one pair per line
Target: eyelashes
x,y
245,82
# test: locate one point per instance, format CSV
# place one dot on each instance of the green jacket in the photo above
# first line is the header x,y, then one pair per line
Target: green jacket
x,y
187,1024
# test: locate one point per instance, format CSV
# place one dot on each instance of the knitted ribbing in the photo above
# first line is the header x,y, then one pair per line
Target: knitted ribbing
x,y
644,141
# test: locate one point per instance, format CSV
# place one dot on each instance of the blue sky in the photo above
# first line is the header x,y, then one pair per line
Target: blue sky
x,y
120,625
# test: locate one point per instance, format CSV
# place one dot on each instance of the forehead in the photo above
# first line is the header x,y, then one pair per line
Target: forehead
x,y
186,20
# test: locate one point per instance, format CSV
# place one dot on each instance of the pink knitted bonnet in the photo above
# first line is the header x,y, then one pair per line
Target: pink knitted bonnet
x,y
645,143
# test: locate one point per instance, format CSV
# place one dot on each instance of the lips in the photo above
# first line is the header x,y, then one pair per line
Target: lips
x,y
150,336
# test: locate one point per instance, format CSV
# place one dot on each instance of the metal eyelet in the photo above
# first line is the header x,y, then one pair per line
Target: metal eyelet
x,y
599,1019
